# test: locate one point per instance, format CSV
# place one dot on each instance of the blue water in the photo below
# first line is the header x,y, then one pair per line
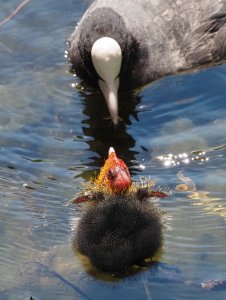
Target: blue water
x,y
53,136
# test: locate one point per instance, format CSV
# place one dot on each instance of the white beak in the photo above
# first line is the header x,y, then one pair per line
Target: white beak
x,y
107,58
111,150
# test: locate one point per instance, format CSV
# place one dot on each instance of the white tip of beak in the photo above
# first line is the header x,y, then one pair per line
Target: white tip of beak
x,y
111,150
107,58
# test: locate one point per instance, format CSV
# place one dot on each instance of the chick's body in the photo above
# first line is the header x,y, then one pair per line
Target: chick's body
x,y
119,232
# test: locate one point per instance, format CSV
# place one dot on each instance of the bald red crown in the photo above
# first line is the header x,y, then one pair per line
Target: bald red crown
x,y
114,175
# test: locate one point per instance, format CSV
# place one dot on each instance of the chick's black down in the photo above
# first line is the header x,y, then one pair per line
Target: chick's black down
x,y
119,232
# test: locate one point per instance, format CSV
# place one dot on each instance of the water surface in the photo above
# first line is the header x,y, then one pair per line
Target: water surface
x,y
54,136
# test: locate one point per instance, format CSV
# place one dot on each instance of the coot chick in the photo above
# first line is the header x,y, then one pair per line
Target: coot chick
x,y
126,44
121,226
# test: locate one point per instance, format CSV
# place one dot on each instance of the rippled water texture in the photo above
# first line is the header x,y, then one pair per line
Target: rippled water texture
x,y
53,137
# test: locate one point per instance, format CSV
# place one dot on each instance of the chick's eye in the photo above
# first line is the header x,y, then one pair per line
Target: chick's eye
x,y
111,174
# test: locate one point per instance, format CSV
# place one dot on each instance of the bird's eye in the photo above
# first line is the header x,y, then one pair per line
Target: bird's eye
x,y
111,174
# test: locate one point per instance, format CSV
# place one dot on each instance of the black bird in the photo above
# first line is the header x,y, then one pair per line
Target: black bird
x,y
121,226
126,44
119,231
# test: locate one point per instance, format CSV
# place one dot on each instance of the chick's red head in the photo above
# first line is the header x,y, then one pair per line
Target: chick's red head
x,y
114,175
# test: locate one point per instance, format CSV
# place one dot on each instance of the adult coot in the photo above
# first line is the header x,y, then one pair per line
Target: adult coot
x,y
126,44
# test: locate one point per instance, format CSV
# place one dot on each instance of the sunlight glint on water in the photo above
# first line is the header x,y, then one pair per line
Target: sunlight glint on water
x,y
53,137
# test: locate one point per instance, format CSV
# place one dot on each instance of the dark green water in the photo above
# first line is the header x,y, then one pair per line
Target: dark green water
x,y
53,137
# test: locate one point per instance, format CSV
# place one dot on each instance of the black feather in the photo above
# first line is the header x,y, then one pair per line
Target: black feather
x,y
119,232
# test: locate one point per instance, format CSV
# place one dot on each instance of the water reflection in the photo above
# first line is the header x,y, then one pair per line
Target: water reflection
x,y
52,137
103,134
204,198
182,158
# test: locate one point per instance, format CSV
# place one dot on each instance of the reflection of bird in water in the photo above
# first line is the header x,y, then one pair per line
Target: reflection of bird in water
x,y
100,135
210,204
122,45
122,226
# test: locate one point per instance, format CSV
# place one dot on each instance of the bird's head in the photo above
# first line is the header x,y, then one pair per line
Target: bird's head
x,y
114,175
114,180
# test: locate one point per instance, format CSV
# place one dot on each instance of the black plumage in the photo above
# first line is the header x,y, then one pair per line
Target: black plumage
x,y
120,231
157,37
